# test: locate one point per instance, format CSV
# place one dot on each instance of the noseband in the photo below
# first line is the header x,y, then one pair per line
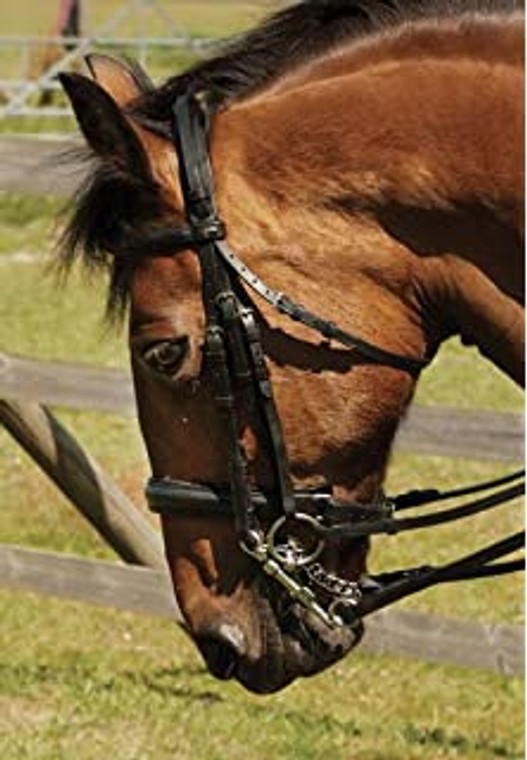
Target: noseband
x,y
301,521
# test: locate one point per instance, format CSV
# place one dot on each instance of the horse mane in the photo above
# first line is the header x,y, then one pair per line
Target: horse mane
x,y
291,38
111,204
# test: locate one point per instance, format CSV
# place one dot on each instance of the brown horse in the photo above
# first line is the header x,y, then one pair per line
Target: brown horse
x,y
367,161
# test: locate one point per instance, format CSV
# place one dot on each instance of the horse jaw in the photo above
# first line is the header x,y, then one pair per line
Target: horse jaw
x,y
245,627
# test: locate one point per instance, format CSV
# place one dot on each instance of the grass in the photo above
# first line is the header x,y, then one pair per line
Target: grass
x,y
27,222
134,688
76,680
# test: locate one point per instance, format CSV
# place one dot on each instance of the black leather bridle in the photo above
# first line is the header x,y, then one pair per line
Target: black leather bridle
x,y
301,521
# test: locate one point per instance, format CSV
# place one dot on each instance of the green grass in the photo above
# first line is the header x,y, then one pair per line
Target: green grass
x,y
27,223
85,682
460,377
94,683
15,125
48,321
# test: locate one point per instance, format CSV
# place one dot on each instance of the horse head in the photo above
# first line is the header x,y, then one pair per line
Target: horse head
x,y
337,238
239,621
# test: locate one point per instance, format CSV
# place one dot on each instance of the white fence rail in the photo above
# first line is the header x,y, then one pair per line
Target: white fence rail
x,y
30,65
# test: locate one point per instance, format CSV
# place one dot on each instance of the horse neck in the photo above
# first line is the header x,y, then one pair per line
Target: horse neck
x,y
423,194
497,39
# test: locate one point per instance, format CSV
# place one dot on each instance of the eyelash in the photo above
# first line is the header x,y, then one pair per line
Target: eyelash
x,y
165,356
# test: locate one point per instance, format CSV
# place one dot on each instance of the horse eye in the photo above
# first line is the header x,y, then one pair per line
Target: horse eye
x,y
166,356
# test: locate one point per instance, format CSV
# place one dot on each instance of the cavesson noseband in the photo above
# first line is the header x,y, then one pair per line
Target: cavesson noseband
x,y
235,360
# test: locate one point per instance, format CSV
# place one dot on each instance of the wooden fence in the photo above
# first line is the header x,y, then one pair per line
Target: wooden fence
x,y
138,589
27,383
439,431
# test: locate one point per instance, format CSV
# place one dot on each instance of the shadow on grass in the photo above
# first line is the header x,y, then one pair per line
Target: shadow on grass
x,y
87,681
81,677
166,683
438,737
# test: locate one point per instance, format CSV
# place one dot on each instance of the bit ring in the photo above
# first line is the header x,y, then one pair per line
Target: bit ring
x,y
297,558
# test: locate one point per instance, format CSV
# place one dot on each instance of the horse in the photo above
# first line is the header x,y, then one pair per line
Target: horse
x,y
364,158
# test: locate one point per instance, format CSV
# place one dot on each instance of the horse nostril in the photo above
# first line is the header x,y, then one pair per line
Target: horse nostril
x,y
222,649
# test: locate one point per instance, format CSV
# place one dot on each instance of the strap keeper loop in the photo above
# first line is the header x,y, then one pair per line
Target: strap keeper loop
x,y
208,230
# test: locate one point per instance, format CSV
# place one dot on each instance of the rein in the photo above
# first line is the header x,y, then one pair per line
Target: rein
x,y
234,359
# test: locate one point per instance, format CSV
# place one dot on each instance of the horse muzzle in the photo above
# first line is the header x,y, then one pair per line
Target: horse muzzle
x,y
270,641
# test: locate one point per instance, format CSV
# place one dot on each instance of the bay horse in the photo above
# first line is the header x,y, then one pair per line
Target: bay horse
x,y
364,158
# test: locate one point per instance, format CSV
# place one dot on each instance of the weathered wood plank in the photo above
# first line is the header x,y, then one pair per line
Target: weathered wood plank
x,y
472,433
439,431
397,632
124,587
89,488
459,642
33,164
66,384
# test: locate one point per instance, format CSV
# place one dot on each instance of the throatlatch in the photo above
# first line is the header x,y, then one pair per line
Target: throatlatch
x,y
285,531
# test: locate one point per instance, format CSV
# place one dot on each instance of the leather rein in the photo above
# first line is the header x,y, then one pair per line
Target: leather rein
x,y
301,521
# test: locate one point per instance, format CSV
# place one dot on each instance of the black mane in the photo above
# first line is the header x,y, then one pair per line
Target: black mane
x,y
113,205
292,37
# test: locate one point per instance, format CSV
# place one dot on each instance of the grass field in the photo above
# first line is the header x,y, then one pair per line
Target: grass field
x,y
77,681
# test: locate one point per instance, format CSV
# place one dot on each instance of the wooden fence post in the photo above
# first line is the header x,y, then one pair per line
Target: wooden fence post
x,y
83,481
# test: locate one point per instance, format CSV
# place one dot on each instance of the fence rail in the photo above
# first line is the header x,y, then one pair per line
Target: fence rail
x,y
436,431
32,164
124,527
95,495
63,52
138,589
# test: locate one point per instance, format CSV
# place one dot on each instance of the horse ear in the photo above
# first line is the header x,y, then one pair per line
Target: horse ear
x,y
105,127
123,81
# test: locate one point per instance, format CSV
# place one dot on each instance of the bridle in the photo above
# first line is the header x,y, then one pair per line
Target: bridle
x,y
301,521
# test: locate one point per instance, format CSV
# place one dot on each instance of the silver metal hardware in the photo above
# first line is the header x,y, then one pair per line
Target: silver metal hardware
x,y
333,584
291,553
338,606
281,561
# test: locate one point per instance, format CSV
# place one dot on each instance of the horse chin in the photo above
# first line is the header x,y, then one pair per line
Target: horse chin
x,y
294,646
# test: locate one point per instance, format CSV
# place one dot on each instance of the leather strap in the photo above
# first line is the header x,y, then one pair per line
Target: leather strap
x,y
329,330
168,496
392,526
239,335
418,498
382,590
336,520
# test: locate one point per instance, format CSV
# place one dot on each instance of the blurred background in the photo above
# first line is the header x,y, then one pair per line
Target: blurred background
x,y
39,39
